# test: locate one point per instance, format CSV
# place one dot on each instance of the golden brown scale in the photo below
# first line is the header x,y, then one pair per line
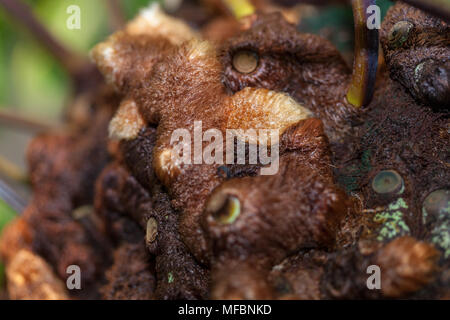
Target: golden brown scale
x,y
29,277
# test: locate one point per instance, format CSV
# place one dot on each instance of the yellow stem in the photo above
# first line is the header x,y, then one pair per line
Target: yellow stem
x,y
240,8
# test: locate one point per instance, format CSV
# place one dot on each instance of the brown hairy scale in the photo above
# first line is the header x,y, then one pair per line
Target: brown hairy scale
x,y
258,36
186,87
123,73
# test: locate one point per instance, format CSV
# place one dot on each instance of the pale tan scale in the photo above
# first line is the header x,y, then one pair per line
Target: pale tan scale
x,y
151,21
29,277
253,108
127,122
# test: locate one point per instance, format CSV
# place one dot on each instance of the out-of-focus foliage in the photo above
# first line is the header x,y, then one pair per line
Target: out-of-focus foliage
x,y
335,22
30,78
132,7
6,215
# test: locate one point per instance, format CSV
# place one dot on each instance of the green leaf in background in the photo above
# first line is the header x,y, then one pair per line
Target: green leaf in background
x,y
335,22
384,6
3,71
94,22
6,43
38,84
29,77
6,215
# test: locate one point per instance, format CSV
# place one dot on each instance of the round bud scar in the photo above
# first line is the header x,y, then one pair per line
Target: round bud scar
x,y
229,211
245,61
152,230
387,181
399,33
437,205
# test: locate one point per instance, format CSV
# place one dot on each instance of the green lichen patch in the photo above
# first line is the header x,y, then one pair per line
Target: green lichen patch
x,y
392,221
440,237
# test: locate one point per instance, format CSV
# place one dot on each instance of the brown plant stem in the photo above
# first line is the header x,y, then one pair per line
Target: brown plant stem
x,y
116,14
12,171
11,198
15,120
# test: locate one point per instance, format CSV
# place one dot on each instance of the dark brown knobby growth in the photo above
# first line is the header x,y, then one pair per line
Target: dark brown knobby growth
x,y
280,58
405,139
253,223
134,214
63,170
416,47
402,150
405,264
